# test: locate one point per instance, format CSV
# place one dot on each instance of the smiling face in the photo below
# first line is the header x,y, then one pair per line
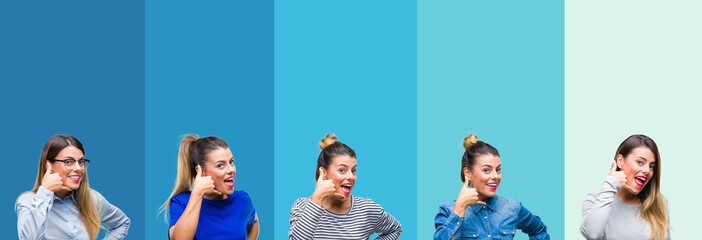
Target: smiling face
x,y
485,176
638,166
71,178
342,172
220,167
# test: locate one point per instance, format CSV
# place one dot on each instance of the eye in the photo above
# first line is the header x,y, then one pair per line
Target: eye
x,y
487,170
353,171
231,162
639,162
70,162
499,170
342,170
219,165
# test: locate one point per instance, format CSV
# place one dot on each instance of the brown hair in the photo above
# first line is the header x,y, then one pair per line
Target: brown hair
x,y
331,148
83,197
474,148
653,204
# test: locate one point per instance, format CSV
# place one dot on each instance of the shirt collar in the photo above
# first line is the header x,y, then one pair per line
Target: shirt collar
x,y
490,204
70,196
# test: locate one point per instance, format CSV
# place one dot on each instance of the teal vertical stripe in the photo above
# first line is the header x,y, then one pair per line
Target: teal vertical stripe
x,y
347,68
494,69
209,71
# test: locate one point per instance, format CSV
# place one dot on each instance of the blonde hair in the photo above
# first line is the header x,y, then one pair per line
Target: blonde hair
x,y
192,152
653,204
327,140
83,196
470,140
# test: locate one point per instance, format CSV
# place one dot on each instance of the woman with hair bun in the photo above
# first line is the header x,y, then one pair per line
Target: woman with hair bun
x,y
331,212
478,213
62,205
630,204
204,204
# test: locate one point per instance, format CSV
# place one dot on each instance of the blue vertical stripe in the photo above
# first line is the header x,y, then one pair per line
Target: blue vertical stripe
x,y
494,69
347,68
209,71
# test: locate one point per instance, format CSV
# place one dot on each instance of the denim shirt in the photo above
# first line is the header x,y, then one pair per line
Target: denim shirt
x,y
497,219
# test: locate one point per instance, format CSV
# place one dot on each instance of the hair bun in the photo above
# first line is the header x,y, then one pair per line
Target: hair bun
x,y
328,140
470,140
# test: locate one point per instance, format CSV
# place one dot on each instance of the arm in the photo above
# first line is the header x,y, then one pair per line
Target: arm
x,y
447,223
186,225
531,225
304,217
388,226
252,234
31,214
116,222
596,209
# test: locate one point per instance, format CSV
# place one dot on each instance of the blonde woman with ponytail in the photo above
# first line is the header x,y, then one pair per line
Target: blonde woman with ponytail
x,y
331,212
204,204
630,204
62,205
478,212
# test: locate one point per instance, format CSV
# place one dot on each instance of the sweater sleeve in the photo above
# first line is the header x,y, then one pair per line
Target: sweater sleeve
x,y
596,209
32,210
116,222
388,226
446,223
304,217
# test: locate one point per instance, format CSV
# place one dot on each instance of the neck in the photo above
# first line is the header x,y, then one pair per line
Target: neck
x,y
483,198
62,194
627,197
214,196
334,204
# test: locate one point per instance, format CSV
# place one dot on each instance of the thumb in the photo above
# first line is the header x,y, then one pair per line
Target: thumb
x,y
48,167
466,183
321,174
198,170
614,167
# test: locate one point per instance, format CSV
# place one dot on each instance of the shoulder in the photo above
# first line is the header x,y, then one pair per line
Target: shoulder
x,y
508,204
181,197
240,194
25,198
365,203
448,205
301,201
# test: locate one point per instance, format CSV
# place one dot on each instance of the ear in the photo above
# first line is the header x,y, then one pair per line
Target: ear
x,y
620,161
466,173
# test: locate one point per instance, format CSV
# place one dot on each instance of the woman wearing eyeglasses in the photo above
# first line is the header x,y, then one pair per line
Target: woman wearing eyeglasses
x,y
62,205
203,204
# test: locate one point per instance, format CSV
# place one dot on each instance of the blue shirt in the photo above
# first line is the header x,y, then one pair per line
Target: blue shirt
x,y
42,215
230,218
497,219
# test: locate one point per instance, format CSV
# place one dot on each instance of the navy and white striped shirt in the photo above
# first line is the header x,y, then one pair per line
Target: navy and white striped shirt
x,y
365,217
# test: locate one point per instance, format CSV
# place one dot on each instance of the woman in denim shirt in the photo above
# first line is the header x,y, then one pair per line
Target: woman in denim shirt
x,y
479,213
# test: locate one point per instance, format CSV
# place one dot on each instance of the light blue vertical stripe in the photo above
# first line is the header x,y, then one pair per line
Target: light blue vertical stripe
x,y
494,68
347,68
209,71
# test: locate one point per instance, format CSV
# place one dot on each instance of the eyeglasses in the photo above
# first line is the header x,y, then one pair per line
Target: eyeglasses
x,y
70,164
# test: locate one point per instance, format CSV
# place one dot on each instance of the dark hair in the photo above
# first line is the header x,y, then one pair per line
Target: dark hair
x,y
200,147
640,140
474,148
57,143
330,149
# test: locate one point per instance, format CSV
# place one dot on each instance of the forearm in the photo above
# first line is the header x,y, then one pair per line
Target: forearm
x,y
596,210
186,225
252,233
447,224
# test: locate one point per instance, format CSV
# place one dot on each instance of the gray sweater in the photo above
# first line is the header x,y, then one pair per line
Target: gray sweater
x,y
605,216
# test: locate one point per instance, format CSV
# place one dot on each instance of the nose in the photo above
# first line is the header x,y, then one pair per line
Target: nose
x,y
231,168
646,170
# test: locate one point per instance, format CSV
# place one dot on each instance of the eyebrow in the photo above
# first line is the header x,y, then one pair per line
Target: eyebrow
x,y
488,165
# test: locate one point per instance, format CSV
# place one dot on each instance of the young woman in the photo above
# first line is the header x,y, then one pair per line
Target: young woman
x,y
62,205
478,212
630,204
203,204
331,212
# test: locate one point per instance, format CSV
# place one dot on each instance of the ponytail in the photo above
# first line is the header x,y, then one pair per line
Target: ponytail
x,y
192,152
